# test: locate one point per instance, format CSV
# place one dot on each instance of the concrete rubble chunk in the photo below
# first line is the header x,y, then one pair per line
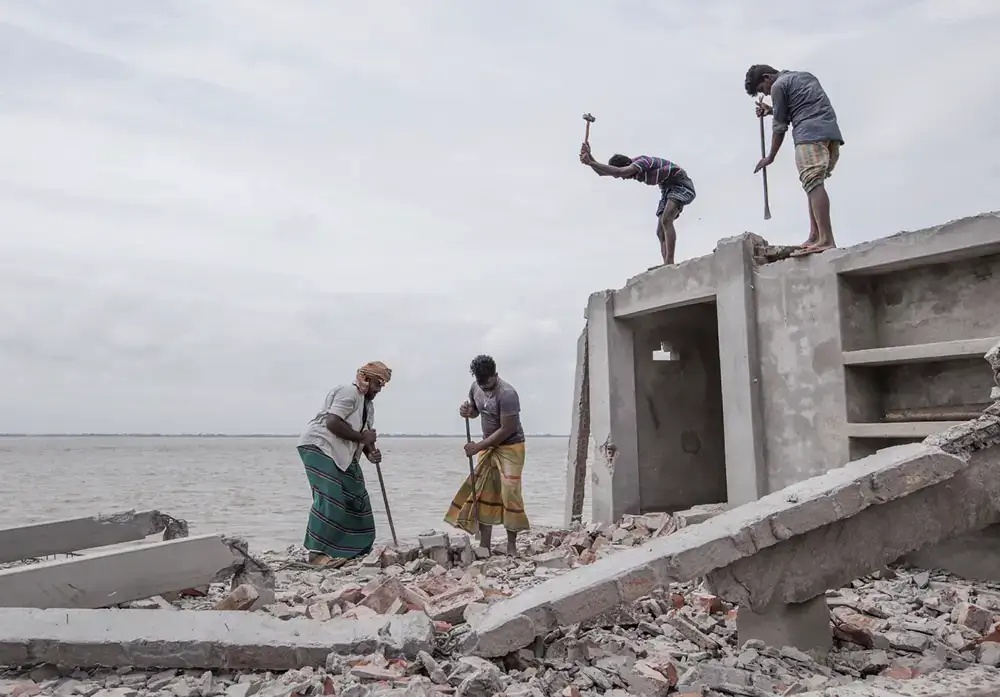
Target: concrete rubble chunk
x,y
65,536
113,577
199,639
772,524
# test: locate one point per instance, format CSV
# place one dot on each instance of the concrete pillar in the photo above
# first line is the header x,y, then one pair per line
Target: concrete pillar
x,y
579,435
805,626
746,469
615,469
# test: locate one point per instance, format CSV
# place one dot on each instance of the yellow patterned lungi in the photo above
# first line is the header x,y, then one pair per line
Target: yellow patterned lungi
x,y
498,491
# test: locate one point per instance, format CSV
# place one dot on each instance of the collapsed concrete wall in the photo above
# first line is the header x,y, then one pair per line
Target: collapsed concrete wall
x,y
787,547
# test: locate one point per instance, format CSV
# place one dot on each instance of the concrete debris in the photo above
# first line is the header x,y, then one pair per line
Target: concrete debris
x,y
896,627
65,536
118,576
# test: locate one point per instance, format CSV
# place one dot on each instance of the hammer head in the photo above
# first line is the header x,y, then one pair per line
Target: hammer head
x,y
589,117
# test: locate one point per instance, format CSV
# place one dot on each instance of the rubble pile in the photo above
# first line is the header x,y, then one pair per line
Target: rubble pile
x,y
899,624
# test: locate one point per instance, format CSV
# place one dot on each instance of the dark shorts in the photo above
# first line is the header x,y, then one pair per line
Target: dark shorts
x,y
681,192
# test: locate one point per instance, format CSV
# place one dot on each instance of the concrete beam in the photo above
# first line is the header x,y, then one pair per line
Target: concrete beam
x,y
201,639
920,353
742,533
65,536
742,412
960,239
120,576
692,281
579,434
613,430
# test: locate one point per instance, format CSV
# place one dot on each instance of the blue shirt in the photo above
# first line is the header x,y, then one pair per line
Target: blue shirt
x,y
798,99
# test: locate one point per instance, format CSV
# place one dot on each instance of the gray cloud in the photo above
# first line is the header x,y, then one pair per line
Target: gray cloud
x,y
214,211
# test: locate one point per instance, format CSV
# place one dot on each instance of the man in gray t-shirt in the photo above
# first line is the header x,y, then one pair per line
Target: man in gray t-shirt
x,y
799,100
496,498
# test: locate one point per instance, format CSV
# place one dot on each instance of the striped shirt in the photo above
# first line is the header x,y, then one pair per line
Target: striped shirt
x,y
657,171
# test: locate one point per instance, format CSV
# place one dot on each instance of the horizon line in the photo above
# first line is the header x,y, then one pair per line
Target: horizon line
x,y
240,435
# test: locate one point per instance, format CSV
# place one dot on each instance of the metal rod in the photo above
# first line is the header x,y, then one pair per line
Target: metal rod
x,y
763,171
472,477
385,500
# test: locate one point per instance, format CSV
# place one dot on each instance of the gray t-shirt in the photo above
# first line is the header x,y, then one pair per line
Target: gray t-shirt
x,y
798,99
502,400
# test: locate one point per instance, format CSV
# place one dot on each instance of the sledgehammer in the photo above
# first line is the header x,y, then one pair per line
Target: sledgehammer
x,y
589,119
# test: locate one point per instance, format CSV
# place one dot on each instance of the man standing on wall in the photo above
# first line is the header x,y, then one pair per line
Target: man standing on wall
x,y
797,99
497,494
676,189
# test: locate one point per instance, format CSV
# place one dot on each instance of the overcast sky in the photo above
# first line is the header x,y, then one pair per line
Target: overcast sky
x,y
213,211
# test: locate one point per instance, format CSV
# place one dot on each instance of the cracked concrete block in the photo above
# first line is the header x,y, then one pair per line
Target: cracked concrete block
x,y
202,639
770,528
806,565
65,536
119,576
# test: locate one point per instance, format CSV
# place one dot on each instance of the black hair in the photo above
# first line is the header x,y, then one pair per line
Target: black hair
x,y
483,367
755,74
619,160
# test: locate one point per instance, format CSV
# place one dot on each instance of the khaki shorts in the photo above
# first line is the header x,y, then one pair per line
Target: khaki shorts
x,y
815,162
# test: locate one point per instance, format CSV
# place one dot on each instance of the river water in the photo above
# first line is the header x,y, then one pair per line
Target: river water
x,y
253,488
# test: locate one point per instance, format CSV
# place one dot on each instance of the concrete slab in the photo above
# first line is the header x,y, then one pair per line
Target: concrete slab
x,y
119,576
976,681
64,536
975,236
806,565
579,435
202,639
752,529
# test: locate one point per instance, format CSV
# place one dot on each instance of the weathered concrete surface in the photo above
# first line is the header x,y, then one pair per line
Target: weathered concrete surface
x,y
974,236
201,639
64,536
615,469
806,626
976,681
579,435
746,468
114,577
691,281
822,502
806,565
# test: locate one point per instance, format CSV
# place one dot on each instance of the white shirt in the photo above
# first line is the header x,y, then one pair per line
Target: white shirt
x,y
347,402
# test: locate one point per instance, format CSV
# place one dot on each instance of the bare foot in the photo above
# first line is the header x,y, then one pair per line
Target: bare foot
x,y
810,249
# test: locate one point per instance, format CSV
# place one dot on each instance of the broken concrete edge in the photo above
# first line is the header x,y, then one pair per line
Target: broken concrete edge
x,y
200,639
115,576
50,538
696,551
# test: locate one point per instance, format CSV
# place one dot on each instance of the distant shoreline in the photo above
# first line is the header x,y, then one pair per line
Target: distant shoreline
x,y
239,435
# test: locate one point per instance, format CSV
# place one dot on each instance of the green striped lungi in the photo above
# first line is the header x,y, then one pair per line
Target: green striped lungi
x,y
341,524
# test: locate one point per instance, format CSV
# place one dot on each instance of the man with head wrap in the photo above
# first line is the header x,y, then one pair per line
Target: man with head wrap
x,y
341,525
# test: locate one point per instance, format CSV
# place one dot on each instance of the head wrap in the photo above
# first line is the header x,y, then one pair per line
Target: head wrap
x,y
375,369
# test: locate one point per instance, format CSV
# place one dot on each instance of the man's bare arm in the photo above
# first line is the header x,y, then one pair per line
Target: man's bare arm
x,y
340,428
508,427
612,171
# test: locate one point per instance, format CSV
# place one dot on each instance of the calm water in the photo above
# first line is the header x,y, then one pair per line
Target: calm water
x,y
251,487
